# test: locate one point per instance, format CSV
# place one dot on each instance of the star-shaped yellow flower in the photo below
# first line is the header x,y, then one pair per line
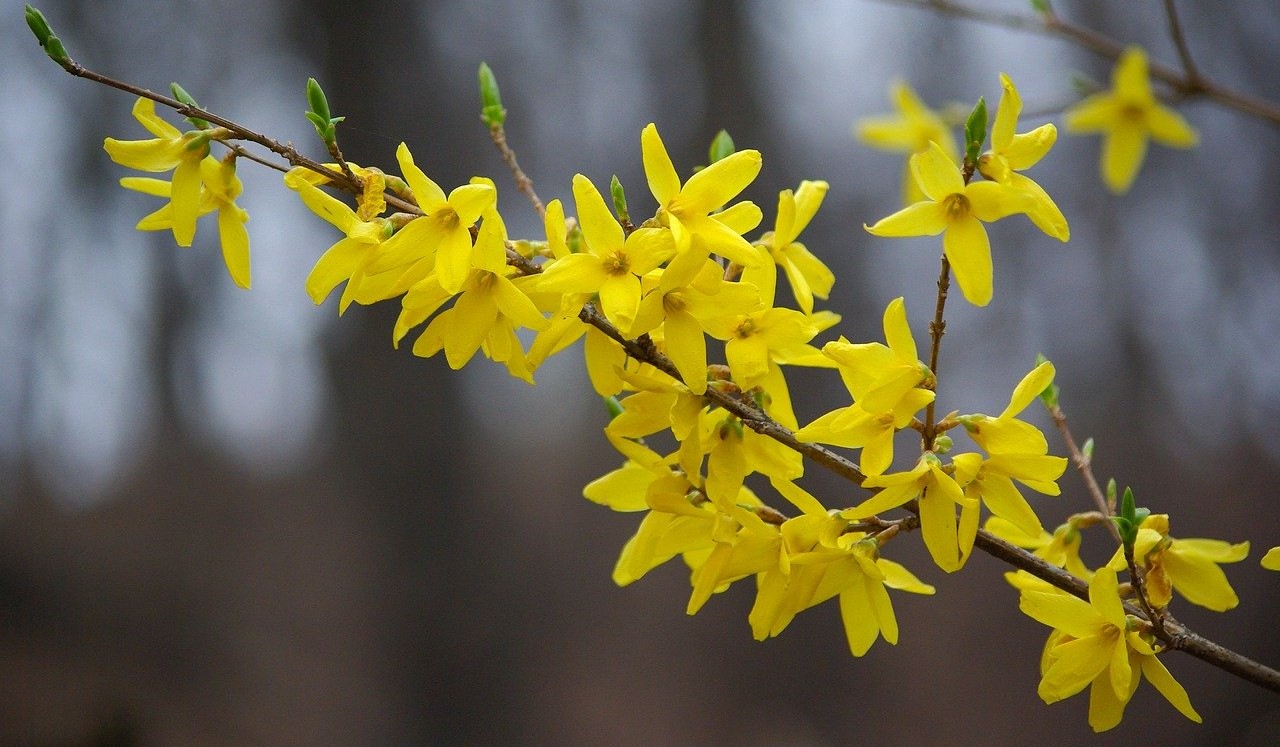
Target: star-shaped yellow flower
x,y
686,208
807,274
169,149
1127,116
909,131
1011,153
955,210
1189,566
443,233
218,192
1093,644
613,264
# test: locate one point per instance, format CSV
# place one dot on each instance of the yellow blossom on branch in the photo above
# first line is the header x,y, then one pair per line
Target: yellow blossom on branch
x,y
1095,644
349,258
886,383
1012,152
1128,116
170,149
443,233
821,561
956,210
807,274
1189,566
938,494
686,208
613,263
218,192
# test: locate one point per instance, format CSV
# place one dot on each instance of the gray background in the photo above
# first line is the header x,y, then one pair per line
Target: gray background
x,y
232,518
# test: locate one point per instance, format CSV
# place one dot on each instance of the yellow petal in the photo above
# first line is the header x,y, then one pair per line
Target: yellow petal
x,y
935,172
718,183
1123,151
967,248
1035,382
235,245
1129,78
428,194
1002,130
1169,128
1163,681
599,227
921,219
1025,150
1271,561
664,183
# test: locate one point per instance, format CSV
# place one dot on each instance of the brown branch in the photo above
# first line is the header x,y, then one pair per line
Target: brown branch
x,y
1050,24
1084,465
523,183
1180,41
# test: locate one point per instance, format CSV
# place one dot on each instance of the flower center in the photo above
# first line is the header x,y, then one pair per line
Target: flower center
x,y
746,328
617,263
673,302
956,207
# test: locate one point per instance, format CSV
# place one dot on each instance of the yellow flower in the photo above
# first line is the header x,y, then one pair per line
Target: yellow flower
x,y
169,149
807,274
955,210
1062,548
884,382
1189,566
348,259
1271,561
685,310
685,209
220,189
1018,451
1093,644
909,131
443,233
820,561
1011,153
613,264
939,495
485,314
1127,116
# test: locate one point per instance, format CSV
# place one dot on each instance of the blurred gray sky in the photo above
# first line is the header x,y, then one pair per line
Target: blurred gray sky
x,y
296,533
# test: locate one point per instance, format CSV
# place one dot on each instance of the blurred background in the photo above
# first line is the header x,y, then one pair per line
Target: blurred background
x,y
234,518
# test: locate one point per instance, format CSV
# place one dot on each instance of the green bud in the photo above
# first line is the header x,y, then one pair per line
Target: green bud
x,y
942,444
1111,491
619,199
613,406
1040,6
51,44
491,111
1087,450
975,131
319,115
721,147
181,94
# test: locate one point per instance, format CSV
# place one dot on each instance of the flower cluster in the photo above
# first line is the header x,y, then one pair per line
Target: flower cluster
x,y
685,339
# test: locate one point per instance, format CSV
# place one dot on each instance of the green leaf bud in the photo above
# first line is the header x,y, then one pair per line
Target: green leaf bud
x,y
975,131
619,199
181,94
51,44
721,147
491,111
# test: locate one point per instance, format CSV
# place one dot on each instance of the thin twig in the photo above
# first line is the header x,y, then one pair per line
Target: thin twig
x,y
1084,466
1180,41
1053,25
523,183
937,328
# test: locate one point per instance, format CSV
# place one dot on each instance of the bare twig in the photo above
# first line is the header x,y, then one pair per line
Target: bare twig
x,y
1051,24
1085,467
523,183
